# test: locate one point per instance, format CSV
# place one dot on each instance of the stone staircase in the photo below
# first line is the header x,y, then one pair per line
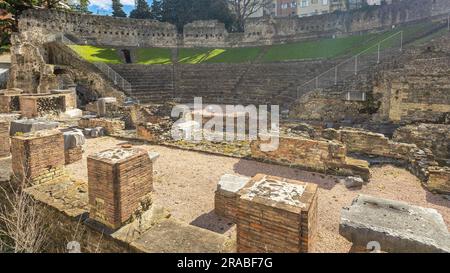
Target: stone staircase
x,y
257,83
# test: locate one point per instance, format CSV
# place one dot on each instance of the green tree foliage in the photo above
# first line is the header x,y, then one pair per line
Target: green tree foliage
x,y
157,10
81,6
117,8
142,10
181,12
16,7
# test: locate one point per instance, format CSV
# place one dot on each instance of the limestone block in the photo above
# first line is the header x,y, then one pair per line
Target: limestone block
x,y
396,226
226,197
31,125
73,139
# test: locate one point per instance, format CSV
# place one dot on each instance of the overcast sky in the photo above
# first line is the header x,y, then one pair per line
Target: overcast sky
x,y
104,6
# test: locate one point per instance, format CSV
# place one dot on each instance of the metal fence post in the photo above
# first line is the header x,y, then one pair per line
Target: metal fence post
x,y
335,75
317,82
356,65
401,41
448,22
379,48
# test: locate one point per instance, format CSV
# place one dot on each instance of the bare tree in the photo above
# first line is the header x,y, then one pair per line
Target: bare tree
x,y
22,227
243,9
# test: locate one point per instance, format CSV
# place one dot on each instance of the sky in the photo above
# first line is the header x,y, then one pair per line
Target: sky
x,y
103,7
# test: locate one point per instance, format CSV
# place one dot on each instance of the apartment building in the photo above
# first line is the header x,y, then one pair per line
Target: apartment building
x,y
312,7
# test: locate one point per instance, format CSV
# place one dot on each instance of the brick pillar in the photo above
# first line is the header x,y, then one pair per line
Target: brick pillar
x,y
120,183
38,157
276,215
5,150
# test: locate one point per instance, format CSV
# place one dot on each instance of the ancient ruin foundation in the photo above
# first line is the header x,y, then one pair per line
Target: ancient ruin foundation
x,y
4,139
276,215
38,157
120,184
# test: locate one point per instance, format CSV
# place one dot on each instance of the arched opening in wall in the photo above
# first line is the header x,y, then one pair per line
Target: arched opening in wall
x,y
127,55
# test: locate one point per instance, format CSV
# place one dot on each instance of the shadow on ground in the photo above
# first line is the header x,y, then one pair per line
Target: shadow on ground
x,y
211,221
251,168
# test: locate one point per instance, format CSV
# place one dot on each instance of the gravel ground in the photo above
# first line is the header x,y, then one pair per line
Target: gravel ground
x,y
185,182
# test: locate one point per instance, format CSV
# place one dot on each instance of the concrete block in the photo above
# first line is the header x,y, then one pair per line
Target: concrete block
x,y
73,139
396,226
31,125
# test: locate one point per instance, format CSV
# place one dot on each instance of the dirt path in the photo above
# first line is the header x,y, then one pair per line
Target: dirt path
x,y
185,182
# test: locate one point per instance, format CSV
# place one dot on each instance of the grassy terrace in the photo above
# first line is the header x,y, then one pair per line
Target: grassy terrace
x,y
324,48
97,54
217,55
153,56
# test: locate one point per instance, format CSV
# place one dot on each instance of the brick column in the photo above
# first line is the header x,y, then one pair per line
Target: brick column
x,y
38,157
5,150
276,215
120,184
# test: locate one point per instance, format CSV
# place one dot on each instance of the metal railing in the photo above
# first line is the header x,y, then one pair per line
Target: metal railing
x,y
369,57
115,77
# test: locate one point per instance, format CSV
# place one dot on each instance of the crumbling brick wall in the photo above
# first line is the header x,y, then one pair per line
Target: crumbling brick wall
x,y
5,149
36,106
366,142
111,126
435,137
38,157
313,154
9,103
73,155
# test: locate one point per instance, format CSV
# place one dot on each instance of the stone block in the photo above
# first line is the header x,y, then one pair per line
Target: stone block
x,y
439,179
395,226
226,197
31,125
73,139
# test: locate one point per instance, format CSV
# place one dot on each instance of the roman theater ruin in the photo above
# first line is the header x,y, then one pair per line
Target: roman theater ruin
x,y
362,139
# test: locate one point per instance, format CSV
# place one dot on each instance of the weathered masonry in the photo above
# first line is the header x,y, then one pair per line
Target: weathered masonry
x,y
38,157
276,215
120,185
105,30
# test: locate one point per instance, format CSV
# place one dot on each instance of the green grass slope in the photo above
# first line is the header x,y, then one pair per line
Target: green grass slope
x,y
97,54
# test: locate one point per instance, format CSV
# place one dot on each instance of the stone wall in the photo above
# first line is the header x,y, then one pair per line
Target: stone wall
x,y
105,30
439,179
420,161
41,105
327,106
420,91
38,157
405,88
435,137
111,126
73,155
5,147
314,155
40,65
361,141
